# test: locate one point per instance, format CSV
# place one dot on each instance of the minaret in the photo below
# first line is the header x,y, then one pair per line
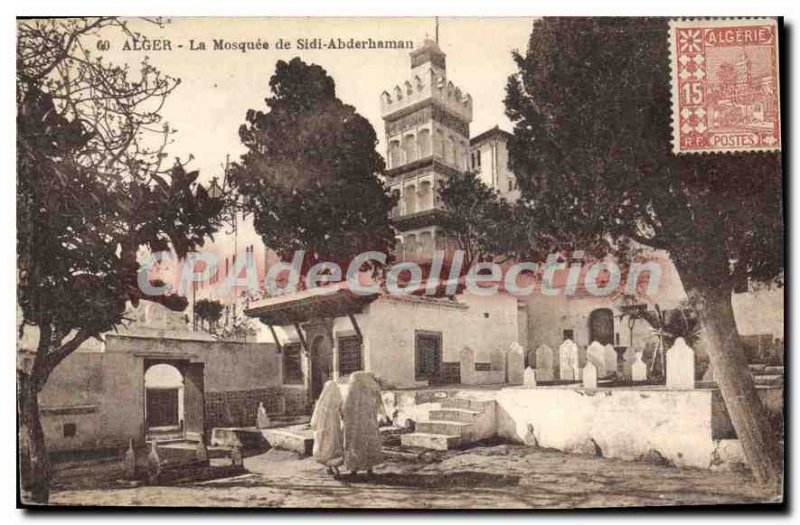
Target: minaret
x,y
427,135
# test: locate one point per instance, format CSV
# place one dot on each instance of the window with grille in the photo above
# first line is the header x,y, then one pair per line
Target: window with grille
x,y
427,354
292,369
349,355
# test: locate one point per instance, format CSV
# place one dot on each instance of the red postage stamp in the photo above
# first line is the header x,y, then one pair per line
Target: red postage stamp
x,y
725,85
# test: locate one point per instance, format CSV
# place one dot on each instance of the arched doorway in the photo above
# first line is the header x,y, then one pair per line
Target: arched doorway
x,y
164,400
601,326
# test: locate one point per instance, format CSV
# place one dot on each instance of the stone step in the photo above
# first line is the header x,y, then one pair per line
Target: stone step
x,y
185,450
447,428
770,380
430,441
463,415
469,404
297,439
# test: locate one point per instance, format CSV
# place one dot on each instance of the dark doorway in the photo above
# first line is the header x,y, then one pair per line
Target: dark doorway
x,y
427,354
162,407
601,326
321,364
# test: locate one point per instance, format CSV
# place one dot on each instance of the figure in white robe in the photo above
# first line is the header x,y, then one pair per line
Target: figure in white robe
x,y
362,440
326,422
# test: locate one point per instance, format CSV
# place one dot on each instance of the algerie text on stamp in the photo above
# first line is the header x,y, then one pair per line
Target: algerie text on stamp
x,y
725,85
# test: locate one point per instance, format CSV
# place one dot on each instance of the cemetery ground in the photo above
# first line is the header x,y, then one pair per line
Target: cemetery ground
x,y
493,475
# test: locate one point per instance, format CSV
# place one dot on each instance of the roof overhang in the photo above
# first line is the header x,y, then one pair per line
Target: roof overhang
x,y
316,303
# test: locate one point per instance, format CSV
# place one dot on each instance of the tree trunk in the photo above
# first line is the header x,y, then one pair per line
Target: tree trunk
x,y
761,442
34,463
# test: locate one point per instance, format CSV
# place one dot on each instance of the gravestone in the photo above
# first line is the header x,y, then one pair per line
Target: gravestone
x,y
639,369
153,463
590,375
129,463
467,361
236,457
544,363
529,378
568,360
680,366
515,364
628,358
610,359
201,452
498,362
595,354
262,419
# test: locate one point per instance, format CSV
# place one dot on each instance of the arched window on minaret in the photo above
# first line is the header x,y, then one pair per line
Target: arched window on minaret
x,y
410,245
425,196
449,151
410,148
438,144
425,244
424,143
410,199
395,154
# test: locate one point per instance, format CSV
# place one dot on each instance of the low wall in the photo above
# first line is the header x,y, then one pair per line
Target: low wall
x,y
689,428
622,423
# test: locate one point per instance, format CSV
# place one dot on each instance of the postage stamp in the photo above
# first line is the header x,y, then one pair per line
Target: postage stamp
x,y
724,85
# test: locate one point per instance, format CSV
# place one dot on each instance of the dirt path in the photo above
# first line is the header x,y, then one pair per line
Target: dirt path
x,y
503,476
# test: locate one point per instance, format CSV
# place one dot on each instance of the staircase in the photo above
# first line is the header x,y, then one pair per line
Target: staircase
x,y
764,375
458,422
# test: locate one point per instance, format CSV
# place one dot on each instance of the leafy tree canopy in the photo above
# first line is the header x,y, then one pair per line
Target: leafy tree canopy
x,y
311,170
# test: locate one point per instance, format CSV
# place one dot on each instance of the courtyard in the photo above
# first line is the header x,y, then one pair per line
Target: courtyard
x,y
492,476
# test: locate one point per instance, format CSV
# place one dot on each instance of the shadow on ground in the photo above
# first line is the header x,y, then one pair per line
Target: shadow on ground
x,y
438,481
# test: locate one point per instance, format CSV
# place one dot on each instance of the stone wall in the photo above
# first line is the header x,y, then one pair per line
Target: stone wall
x,y
95,399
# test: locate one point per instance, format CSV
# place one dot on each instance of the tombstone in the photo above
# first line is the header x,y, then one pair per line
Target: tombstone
x,y
153,463
568,360
628,358
680,366
639,369
596,354
236,457
529,378
467,360
262,419
590,375
515,364
497,364
201,452
610,359
129,462
544,363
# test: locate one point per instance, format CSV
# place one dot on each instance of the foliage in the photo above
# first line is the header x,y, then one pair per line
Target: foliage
x,y
482,223
592,152
91,193
310,174
209,311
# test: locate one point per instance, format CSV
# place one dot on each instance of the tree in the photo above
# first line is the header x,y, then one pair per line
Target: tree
x,y
310,174
208,311
592,152
91,192
482,223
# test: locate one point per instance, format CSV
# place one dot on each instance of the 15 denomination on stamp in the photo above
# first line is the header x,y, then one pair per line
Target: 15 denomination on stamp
x,y
725,85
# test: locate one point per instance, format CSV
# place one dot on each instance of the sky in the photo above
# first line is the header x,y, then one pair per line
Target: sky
x,y
218,87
